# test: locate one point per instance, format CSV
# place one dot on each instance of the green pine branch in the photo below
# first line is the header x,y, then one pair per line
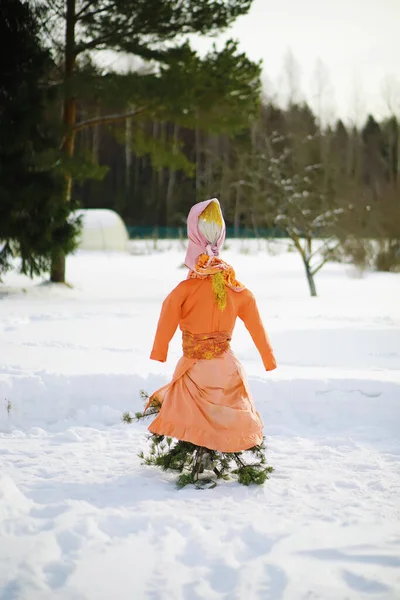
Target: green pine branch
x,y
197,465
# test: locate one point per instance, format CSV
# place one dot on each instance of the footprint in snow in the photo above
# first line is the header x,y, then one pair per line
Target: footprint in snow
x,y
333,554
69,542
257,543
223,579
273,583
362,584
57,573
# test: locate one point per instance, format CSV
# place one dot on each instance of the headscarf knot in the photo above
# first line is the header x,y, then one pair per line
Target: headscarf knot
x,y
212,250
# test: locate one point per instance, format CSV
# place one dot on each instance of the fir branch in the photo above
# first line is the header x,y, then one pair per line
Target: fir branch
x,y
108,119
54,7
149,413
82,11
96,43
194,462
91,14
127,417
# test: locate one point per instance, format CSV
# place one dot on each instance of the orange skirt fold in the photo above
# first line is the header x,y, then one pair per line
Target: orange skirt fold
x,y
208,403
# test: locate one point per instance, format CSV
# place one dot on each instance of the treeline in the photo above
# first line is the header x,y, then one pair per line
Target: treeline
x,y
178,128
359,168
283,170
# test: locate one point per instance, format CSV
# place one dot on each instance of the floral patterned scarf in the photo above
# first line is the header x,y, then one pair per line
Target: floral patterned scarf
x,y
221,274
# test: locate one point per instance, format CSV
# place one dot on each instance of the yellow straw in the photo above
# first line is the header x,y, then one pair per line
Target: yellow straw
x,y
219,289
212,214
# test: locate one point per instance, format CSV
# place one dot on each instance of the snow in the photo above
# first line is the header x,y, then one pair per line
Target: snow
x,y
82,519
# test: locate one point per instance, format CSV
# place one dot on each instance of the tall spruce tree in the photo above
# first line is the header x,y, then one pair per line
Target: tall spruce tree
x,y
33,223
151,31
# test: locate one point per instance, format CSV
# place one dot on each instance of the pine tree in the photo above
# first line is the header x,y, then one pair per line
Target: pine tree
x,y
33,223
152,32
197,465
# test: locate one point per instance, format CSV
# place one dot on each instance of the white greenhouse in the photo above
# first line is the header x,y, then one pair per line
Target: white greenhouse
x,y
102,229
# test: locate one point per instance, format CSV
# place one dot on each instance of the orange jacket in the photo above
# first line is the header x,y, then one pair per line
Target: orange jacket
x,y
191,305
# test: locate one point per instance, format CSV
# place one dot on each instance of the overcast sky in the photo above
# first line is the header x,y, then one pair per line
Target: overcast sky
x,y
357,41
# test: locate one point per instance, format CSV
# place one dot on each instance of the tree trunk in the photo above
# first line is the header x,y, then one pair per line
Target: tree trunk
x,y
253,223
128,155
397,178
310,278
225,175
96,139
198,160
236,218
161,196
238,198
136,209
305,254
154,197
308,247
69,119
208,167
172,174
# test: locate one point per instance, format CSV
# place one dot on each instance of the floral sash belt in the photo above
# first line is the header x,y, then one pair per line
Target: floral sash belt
x,y
205,345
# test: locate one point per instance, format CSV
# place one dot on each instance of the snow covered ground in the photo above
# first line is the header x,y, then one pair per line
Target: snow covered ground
x,y
82,519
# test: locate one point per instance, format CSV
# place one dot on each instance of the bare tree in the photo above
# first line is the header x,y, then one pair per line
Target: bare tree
x,y
299,205
291,79
323,94
287,186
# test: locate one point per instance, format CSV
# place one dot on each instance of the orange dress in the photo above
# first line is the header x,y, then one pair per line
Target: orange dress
x,y
208,402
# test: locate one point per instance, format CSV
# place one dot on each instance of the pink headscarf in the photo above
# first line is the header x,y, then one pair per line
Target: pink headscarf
x,y
197,242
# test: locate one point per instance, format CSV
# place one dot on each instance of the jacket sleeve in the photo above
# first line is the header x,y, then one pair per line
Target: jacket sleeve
x,y
252,320
167,324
